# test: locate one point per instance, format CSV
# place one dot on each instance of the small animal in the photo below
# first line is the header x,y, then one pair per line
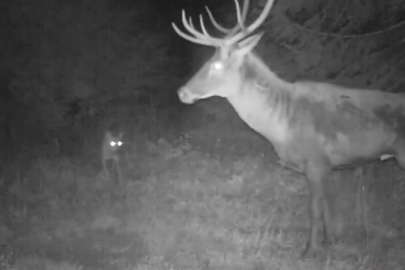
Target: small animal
x,y
109,152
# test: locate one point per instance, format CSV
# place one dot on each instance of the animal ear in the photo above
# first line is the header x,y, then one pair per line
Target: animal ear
x,y
108,135
120,135
247,45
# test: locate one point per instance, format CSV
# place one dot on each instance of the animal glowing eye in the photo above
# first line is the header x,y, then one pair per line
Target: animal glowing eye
x,y
218,65
119,143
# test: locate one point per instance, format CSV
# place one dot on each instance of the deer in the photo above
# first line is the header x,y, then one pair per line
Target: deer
x,y
314,127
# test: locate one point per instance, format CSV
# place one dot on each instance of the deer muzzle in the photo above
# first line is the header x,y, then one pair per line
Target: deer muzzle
x,y
186,96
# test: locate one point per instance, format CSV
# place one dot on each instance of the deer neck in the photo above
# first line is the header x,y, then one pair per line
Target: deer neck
x,y
263,101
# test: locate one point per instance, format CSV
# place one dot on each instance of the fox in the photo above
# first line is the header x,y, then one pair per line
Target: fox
x,y
109,151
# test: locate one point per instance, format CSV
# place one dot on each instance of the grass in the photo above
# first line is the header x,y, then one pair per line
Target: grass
x,y
191,205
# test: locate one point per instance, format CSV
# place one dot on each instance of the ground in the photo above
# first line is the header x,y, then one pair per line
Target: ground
x,y
209,199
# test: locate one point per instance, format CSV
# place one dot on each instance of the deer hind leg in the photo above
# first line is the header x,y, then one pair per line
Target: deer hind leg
x,y
319,207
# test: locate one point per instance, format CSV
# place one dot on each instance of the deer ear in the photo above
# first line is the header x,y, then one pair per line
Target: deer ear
x,y
247,45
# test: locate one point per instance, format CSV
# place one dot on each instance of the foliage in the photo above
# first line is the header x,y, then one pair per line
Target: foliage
x,y
354,44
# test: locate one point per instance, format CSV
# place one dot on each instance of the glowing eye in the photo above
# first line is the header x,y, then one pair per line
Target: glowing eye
x,y
119,143
218,65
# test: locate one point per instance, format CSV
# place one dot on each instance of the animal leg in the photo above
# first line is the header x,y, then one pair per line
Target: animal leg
x,y
327,220
401,157
319,207
118,170
105,168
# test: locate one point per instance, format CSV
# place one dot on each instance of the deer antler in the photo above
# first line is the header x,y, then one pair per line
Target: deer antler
x,y
233,35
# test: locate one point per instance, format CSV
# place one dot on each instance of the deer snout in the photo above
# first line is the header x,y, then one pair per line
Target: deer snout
x,y
186,96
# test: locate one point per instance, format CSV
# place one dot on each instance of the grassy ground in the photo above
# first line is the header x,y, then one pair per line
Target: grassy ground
x,y
210,199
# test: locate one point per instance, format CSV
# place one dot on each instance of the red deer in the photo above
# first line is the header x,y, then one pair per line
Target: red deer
x,y
314,127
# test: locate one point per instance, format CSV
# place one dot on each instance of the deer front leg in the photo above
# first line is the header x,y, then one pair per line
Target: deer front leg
x,y
319,208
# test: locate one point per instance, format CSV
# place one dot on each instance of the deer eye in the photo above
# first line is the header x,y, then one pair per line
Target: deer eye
x,y
218,65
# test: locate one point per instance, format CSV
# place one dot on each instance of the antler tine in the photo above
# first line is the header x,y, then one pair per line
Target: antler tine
x,y
198,37
203,27
253,26
262,17
190,27
241,17
189,38
216,24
